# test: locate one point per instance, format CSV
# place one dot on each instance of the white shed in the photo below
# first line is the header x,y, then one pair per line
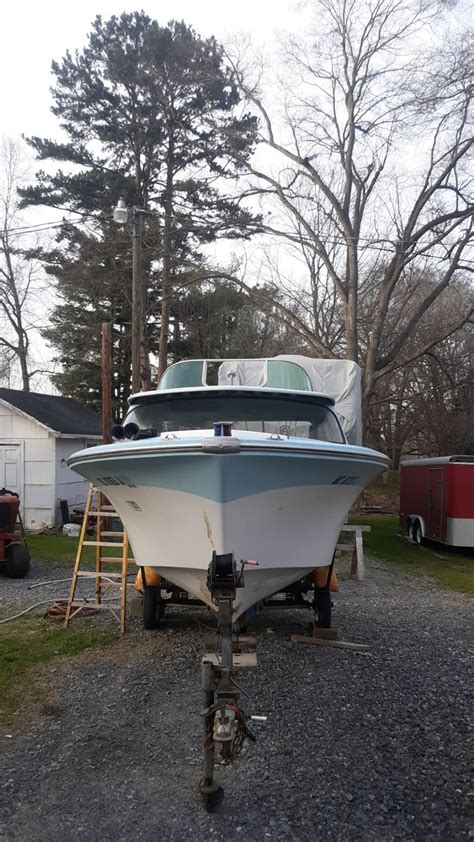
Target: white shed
x,y
37,433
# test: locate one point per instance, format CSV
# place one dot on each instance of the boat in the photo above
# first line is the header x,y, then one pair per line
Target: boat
x,y
232,456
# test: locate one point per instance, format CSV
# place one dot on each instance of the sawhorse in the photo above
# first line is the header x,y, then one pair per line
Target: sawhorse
x,y
356,547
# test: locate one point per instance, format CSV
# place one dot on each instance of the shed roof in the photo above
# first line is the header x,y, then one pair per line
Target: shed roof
x,y
65,416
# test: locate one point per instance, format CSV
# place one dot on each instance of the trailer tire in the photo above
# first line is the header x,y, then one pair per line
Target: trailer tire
x,y
152,608
17,560
417,533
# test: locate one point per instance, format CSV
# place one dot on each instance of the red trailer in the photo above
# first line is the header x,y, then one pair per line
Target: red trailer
x,y
437,500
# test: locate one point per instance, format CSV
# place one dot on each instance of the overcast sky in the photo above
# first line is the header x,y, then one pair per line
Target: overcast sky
x,y
34,33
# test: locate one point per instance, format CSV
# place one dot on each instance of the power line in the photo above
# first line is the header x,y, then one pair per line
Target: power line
x,y
33,229
18,230
333,241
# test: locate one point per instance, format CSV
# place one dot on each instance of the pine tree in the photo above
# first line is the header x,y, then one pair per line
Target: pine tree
x,y
220,321
149,113
93,281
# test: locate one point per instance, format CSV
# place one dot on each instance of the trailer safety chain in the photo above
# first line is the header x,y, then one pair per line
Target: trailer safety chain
x,y
234,746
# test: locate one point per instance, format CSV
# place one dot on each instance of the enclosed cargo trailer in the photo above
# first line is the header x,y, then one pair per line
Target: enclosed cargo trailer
x,y
437,500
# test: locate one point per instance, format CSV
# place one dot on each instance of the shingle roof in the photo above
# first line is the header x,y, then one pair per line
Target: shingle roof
x,y
63,415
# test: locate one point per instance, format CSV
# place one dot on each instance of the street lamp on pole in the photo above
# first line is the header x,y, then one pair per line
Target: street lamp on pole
x,y
121,215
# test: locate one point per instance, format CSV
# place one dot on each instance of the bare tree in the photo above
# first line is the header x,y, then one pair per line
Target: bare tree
x,y
368,158
426,407
20,272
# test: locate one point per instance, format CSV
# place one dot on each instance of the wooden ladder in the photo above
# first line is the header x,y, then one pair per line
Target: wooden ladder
x,y
104,580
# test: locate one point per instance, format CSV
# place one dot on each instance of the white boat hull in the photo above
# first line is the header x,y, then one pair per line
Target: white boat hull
x,y
280,506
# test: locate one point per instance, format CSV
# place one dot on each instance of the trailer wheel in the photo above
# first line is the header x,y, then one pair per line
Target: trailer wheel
x,y
17,560
153,609
417,534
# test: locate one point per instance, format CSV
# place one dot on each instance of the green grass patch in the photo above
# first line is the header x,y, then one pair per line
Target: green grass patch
x,y
29,643
449,569
57,549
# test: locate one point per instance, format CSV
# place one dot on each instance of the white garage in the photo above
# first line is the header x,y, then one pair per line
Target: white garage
x,y
37,433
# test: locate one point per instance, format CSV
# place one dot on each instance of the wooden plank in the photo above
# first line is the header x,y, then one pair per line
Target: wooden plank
x,y
94,607
360,556
106,382
324,634
239,641
349,527
354,562
104,513
240,661
103,544
336,644
245,639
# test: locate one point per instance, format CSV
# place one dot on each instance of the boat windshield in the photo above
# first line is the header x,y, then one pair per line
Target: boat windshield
x,y
274,374
288,416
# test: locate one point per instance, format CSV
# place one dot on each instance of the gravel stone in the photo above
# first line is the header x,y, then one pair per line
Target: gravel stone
x,y
355,748
17,594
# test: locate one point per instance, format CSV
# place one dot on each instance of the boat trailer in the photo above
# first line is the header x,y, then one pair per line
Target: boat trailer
x,y
224,722
225,727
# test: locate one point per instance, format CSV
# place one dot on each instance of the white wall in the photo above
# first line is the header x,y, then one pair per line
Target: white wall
x,y
36,470
35,457
69,485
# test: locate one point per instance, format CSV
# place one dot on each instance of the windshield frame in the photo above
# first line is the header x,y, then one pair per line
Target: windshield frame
x,y
233,399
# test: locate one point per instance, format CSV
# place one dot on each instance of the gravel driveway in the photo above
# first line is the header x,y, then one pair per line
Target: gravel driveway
x,y
356,747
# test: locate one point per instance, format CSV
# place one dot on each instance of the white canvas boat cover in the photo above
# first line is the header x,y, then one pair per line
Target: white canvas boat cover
x,y
341,380
243,372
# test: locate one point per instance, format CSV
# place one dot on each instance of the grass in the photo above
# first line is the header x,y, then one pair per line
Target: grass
x,y
29,643
448,568
57,549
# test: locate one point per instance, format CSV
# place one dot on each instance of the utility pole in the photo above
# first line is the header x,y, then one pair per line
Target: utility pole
x,y
137,298
121,216
106,383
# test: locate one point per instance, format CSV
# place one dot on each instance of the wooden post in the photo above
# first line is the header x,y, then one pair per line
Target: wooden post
x,y
137,298
106,383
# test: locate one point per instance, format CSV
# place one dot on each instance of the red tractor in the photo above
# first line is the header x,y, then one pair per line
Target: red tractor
x,y
14,555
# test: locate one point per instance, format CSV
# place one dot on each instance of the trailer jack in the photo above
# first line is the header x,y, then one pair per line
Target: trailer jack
x,y
225,728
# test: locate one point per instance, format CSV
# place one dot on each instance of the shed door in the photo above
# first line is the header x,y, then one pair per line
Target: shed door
x,y
435,526
11,463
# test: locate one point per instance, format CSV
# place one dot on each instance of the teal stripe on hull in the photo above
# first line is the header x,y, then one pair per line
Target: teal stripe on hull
x,y
223,478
